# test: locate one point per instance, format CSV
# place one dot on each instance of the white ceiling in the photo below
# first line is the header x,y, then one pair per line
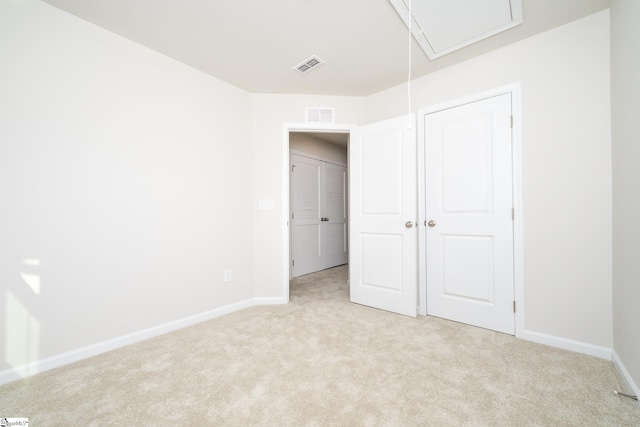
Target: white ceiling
x,y
253,44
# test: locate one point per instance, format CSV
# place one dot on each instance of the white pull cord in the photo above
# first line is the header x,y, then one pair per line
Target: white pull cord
x,y
409,74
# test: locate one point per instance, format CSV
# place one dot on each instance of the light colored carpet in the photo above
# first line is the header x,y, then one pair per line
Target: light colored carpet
x,y
320,361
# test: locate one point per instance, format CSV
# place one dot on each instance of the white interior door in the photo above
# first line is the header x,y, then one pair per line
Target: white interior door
x,y
383,211
335,214
319,215
469,239
306,230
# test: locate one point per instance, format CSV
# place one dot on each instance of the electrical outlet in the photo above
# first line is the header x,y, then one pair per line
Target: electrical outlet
x,y
227,276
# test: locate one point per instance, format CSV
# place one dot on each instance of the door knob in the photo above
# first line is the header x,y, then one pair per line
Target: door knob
x,y
408,224
431,223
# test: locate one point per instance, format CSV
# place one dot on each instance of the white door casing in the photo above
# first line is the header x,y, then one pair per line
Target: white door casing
x,y
383,233
469,199
285,193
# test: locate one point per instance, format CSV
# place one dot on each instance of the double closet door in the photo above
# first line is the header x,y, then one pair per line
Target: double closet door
x,y
465,229
318,215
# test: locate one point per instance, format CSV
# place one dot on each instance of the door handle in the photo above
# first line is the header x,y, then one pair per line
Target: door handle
x,y
431,223
408,224
324,219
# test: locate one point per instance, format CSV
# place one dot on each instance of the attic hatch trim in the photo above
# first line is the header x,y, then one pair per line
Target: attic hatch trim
x,y
309,64
421,35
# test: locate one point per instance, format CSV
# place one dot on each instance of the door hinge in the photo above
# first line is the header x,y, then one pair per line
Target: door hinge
x,y
293,263
293,215
513,214
514,306
511,121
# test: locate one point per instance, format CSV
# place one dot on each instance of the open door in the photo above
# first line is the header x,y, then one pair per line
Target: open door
x,y
383,232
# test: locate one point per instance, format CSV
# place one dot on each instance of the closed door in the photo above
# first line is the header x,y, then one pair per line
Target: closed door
x,y
318,215
335,215
469,210
382,261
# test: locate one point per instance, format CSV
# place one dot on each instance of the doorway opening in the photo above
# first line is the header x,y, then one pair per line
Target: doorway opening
x,y
316,159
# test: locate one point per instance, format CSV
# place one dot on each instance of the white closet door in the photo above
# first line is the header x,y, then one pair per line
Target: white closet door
x,y
306,229
469,209
335,212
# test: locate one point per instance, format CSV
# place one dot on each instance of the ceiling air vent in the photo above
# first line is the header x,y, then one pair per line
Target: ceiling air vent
x,y
319,115
308,64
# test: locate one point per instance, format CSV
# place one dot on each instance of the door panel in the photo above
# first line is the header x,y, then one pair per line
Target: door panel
x,y
475,281
382,156
336,245
335,233
469,248
466,164
306,227
382,259
385,275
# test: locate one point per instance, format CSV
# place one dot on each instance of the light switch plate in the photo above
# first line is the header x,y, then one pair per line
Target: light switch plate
x,y
266,204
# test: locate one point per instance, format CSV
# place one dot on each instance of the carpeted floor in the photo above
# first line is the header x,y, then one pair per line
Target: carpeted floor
x,y
322,361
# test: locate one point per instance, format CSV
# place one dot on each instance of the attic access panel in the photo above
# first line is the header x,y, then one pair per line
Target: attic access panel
x,y
442,26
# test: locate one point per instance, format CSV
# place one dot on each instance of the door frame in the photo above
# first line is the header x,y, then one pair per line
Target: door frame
x,y
518,247
287,128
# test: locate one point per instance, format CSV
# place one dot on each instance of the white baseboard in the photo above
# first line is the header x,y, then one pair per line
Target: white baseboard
x,y
626,377
269,301
567,344
28,369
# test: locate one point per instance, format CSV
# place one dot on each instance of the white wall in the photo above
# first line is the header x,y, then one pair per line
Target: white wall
x,y
120,174
317,148
269,114
566,164
625,112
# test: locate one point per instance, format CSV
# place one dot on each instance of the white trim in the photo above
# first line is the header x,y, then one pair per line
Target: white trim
x,y
518,223
567,344
422,215
626,376
518,234
287,128
28,369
